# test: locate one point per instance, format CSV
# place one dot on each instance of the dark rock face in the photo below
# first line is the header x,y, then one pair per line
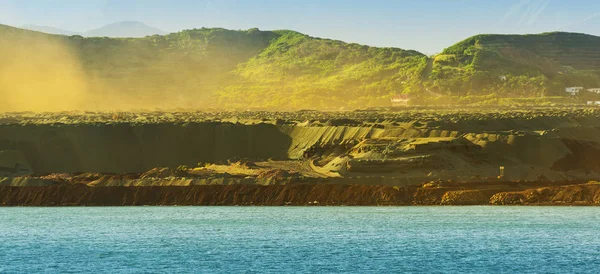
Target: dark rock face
x,y
583,194
299,195
78,195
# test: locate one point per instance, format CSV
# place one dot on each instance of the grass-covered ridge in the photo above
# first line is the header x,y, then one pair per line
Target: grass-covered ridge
x,y
300,71
518,65
214,67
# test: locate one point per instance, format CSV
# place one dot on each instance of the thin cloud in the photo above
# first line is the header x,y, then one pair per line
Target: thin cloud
x,y
584,20
525,12
514,10
536,14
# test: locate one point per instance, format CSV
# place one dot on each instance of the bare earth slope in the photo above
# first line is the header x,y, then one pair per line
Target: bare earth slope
x,y
414,156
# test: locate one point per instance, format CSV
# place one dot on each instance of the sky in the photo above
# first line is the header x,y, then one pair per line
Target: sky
x,y
428,26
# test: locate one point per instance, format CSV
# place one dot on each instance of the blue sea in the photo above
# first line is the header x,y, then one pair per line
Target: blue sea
x,y
300,239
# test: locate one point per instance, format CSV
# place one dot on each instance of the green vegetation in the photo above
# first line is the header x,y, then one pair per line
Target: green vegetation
x,y
497,100
203,68
299,71
251,69
517,65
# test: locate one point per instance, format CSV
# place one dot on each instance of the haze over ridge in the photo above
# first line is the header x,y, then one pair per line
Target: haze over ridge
x,y
123,29
427,26
220,68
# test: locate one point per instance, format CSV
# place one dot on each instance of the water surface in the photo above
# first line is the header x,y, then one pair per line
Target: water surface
x,y
300,239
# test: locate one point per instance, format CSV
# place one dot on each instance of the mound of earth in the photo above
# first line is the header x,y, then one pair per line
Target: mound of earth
x,y
442,156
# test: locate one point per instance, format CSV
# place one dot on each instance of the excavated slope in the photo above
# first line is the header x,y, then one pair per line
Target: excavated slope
x,y
304,194
127,148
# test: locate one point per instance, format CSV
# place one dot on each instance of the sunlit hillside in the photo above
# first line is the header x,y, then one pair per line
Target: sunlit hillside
x,y
254,69
518,65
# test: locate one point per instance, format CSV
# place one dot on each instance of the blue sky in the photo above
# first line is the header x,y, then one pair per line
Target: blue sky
x,y
424,25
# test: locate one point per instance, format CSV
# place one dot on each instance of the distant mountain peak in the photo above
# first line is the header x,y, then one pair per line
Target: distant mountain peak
x,y
49,30
133,29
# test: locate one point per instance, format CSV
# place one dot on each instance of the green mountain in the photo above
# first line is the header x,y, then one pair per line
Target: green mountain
x,y
517,65
279,70
300,71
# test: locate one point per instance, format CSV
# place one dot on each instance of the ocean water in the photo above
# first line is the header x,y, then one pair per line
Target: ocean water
x,y
300,239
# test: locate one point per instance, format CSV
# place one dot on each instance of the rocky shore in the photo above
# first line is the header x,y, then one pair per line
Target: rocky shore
x,y
505,193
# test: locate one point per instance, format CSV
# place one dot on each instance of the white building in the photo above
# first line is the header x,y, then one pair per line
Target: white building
x,y
573,90
593,103
400,100
594,90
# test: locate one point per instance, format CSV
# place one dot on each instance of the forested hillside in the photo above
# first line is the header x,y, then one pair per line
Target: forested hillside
x,y
219,68
517,65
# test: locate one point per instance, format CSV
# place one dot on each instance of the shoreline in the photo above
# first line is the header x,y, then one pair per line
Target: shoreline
x,y
586,194
544,156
